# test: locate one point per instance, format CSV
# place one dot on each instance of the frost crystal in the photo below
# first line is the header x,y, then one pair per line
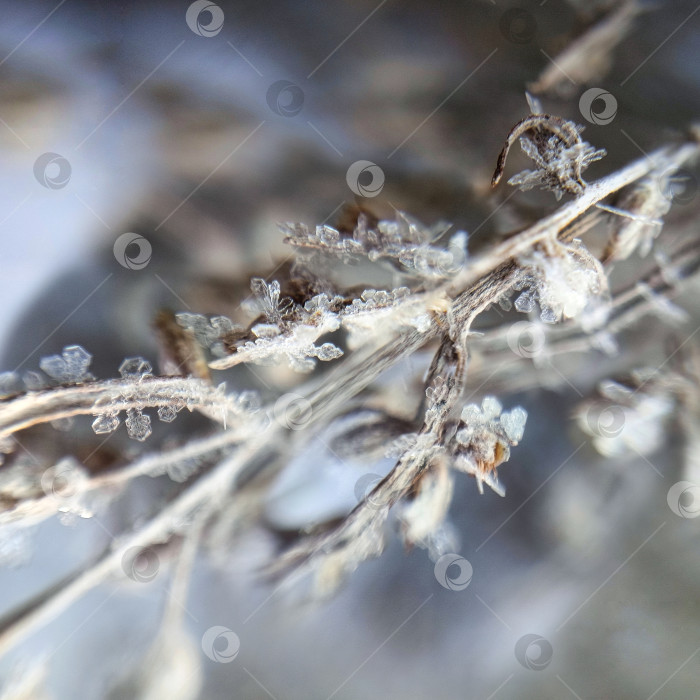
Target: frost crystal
x,y
556,147
559,168
10,384
564,280
404,242
484,438
105,423
388,311
138,424
290,333
34,381
70,366
513,423
268,298
328,351
167,414
207,331
135,368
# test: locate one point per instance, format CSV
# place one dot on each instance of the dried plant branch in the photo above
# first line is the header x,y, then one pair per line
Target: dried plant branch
x,y
116,396
254,441
588,58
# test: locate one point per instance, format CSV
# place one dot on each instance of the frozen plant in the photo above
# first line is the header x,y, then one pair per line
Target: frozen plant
x,y
350,337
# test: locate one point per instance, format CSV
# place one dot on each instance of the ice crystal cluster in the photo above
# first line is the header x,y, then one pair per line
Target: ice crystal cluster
x,y
70,366
405,243
485,435
557,149
391,363
559,167
563,282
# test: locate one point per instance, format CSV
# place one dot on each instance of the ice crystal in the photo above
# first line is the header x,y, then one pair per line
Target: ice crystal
x,y
405,242
10,383
70,366
138,424
135,368
563,281
34,381
558,168
556,147
290,334
386,310
268,299
105,423
437,395
167,414
484,438
207,331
